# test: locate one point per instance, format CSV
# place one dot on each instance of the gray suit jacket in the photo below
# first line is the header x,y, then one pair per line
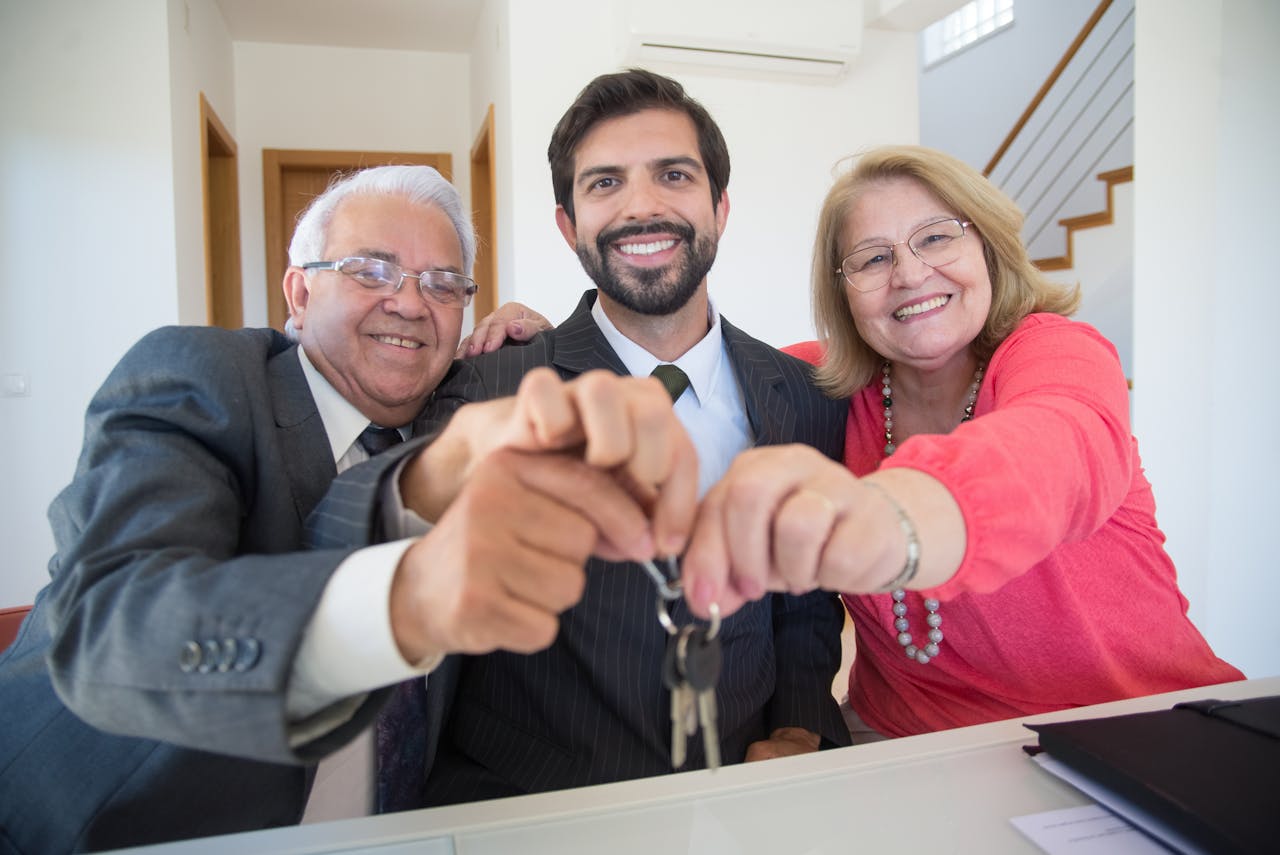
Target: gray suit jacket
x,y
592,707
177,600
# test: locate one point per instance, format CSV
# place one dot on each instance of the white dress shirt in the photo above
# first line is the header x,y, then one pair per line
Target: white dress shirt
x,y
348,647
711,409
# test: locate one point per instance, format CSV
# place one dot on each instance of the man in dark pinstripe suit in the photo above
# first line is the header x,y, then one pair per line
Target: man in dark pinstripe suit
x,y
639,171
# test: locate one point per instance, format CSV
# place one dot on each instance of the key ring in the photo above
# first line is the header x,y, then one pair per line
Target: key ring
x,y
668,588
664,618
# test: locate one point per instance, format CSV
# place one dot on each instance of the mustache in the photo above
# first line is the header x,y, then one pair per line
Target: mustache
x,y
684,231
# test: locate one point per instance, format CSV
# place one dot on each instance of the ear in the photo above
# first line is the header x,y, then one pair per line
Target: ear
x,y
722,213
565,223
296,295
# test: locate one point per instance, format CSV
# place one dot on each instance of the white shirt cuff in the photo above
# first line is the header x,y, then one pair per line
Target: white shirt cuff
x,y
348,647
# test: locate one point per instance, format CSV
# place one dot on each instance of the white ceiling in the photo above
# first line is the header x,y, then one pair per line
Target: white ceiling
x,y
445,26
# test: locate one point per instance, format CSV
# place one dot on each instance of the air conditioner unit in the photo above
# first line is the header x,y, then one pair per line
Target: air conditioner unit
x,y
809,38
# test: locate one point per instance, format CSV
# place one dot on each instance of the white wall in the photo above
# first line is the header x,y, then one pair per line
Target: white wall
x,y
1206,304
970,101
199,61
347,99
784,139
86,233
491,84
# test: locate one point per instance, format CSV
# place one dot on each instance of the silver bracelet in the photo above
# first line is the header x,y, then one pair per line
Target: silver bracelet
x,y
912,564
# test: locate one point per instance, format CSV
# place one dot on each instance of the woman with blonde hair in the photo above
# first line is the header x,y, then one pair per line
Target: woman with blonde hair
x,y
991,527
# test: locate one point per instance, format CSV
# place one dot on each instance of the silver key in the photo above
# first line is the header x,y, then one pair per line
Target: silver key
x,y
699,658
682,704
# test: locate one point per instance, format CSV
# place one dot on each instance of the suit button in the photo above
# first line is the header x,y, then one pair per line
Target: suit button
x,y
212,653
228,657
247,654
192,653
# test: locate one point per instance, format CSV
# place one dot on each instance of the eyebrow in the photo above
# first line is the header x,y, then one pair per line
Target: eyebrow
x,y
384,255
691,163
884,241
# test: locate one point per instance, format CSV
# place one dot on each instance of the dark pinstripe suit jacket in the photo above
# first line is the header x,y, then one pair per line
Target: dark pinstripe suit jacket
x,y
592,707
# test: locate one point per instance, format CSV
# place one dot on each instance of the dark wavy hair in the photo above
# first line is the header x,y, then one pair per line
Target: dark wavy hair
x,y
622,94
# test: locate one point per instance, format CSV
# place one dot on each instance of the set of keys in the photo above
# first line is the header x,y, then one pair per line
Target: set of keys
x,y
690,670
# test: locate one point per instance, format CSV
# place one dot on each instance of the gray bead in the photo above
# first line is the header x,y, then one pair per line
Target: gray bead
x,y
899,595
931,604
934,620
935,635
922,657
931,649
900,609
911,650
904,638
902,624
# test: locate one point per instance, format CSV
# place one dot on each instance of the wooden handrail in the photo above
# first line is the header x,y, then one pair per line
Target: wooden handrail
x,y
1048,84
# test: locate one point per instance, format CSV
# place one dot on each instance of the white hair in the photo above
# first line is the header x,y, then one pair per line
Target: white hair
x,y
420,185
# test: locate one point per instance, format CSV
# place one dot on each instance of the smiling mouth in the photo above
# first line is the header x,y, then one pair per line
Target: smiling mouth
x,y
650,248
396,341
919,308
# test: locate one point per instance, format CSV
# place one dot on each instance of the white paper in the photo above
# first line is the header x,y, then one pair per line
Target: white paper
x,y
1120,807
1088,830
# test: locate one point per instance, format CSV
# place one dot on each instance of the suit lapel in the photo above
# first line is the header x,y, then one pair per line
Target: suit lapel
x,y
304,446
772,417
580,346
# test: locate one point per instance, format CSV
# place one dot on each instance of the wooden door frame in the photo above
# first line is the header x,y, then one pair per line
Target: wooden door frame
x,y
484,206
275,162
219,187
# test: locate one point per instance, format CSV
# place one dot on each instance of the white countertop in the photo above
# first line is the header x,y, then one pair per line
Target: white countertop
x,y
952,791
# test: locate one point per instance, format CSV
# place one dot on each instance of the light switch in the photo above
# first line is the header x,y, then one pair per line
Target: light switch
x,y
14,386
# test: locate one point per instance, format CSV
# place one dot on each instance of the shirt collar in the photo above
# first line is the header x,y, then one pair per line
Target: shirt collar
x,y
701,363
342,421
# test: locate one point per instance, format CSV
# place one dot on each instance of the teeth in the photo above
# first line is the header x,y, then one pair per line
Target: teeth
x,y
645,248
908,311
398,342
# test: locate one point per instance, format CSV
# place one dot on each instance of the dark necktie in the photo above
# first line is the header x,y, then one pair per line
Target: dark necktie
x,y
401,735
400,732
673,378
376,440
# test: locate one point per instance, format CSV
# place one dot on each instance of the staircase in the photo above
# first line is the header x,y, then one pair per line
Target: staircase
x,y
1068,164
1104,217
1079,125
1099,258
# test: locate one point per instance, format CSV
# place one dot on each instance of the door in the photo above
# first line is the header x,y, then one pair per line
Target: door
x,y
220,187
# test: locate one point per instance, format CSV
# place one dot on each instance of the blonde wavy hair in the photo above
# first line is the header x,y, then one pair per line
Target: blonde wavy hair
x,y
1018,288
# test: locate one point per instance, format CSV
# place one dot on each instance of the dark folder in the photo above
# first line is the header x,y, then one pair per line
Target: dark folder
x,y
1209,769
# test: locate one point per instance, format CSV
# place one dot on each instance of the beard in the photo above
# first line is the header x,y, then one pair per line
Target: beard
x,y
655,290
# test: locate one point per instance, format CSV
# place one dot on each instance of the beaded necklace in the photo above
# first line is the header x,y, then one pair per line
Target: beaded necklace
x,y
933,619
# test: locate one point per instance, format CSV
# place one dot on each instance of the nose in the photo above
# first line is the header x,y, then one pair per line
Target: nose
x,y
407,300
643,202
908,270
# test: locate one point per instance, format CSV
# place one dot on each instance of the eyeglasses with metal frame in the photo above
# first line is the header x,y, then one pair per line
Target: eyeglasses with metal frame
x,y
376,274
936,244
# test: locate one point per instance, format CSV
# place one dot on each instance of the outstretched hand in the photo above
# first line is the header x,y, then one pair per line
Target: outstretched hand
x,y
621,425
786,518
507,556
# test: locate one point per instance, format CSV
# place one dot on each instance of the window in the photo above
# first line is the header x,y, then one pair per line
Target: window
x,y
966,25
